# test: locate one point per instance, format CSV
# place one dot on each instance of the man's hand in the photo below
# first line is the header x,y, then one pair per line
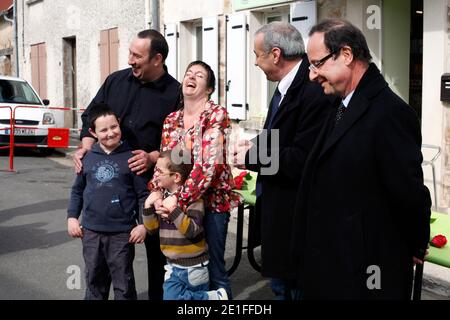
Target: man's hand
x,y
420,261
73,228
153,157
86,144
142,160
239,152
137,235
152,198
76,157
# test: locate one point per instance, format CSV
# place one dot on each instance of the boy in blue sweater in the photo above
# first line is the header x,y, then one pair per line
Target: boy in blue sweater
x,y
109,195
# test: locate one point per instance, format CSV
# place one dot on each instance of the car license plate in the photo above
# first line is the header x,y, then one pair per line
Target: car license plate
x,y
22,132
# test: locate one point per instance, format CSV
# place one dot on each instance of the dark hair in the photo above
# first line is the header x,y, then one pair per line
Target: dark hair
x,y
99,110
157,43
210,79
339,33
184,168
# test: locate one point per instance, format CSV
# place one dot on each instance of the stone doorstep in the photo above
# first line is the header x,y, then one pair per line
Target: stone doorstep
x,y
436,279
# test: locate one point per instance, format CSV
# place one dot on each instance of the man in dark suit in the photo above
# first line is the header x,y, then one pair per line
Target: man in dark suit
x,y
294,119
362,216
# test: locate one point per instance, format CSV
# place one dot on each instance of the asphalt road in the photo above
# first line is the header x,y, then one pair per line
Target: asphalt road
x,y
39,261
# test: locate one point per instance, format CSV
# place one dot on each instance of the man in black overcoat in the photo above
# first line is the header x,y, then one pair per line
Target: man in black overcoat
x,y
363,211
295,117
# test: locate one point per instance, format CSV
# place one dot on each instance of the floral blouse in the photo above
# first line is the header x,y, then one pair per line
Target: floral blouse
x,y
211,176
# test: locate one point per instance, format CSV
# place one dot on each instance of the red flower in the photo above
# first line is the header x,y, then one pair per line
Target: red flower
x,y
439,241
243,174
239,180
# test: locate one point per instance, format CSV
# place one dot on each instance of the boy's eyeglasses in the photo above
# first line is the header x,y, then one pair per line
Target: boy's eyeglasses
x,y
161,173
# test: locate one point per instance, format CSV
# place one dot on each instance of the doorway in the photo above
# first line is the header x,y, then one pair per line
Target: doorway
x,y
70,81
402,49
416,57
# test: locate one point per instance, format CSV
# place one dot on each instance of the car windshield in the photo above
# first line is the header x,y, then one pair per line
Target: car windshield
x,y
17,92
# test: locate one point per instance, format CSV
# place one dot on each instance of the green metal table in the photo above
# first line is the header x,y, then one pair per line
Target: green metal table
x,y
439,224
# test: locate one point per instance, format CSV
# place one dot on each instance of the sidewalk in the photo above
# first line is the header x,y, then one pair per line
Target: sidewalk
x,y
436,279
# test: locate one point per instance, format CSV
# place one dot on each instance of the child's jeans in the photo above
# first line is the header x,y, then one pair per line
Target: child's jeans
x,y
216,229
186,283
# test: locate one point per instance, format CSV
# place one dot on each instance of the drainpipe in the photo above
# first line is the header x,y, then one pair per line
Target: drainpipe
x,y
14,23
155,14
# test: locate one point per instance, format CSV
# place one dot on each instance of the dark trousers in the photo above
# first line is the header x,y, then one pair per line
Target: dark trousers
x,y
108,257
155,267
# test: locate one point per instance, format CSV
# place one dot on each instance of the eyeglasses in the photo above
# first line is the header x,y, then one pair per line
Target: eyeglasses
x,y
161,173
314,66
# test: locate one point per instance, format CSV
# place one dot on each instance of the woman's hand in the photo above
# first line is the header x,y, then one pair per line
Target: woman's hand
x,y
152,199
170,203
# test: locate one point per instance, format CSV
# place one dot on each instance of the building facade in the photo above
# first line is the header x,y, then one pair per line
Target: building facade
x,y
409,42
66,48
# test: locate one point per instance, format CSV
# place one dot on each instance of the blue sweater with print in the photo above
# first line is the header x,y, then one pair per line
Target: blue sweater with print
x,y
107,192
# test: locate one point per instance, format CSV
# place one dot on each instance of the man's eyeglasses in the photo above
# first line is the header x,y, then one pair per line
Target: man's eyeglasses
x,y
314,66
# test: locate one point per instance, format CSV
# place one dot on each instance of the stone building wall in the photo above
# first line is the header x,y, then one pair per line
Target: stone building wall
x,y
52,21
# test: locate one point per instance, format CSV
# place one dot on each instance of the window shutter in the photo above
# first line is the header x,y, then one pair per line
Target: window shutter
x,y
34,57
113,50
38,57
210,49
42,71
236,66
104,55
304,17
172,58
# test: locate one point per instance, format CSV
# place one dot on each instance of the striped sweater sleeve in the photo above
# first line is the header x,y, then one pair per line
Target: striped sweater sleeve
x,y
150,220
190,224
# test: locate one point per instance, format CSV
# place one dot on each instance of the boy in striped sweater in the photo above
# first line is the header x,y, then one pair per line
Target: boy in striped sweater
x,y
182,236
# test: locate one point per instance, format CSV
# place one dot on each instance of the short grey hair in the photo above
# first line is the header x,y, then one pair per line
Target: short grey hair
x,y
284,36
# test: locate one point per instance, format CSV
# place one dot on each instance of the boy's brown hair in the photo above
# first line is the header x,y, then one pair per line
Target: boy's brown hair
x,y
184,168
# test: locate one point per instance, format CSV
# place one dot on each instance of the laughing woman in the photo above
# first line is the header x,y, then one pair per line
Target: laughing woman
x,y
201,127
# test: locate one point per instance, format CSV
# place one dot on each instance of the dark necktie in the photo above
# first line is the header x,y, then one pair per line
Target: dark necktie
x,y
274,107
339,113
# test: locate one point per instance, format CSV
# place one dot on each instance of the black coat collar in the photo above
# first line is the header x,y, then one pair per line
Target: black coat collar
x,y
370,86
286,106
